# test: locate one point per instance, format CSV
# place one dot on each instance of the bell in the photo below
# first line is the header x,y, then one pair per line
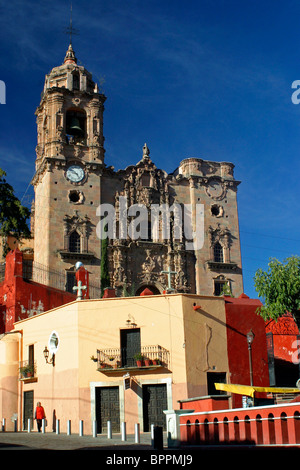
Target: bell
x,y
75,128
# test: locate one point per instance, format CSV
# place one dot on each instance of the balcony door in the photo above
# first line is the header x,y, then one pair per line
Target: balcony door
x,y
130,346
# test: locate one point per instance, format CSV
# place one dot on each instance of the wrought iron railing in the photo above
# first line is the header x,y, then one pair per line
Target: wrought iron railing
x,y
33,271
114,358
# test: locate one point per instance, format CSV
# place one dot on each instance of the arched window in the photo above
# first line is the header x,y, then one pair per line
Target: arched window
x,y
74,242
216,431
197,431
247,428
284,428
76,124
297,426
236,427
226,429
146,179
259,430
76,81
218,253
271,426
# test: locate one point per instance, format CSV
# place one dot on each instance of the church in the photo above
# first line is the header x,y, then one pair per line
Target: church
x,y
169,242
73,186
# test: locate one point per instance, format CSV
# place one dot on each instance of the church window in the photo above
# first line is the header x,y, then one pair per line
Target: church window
x,y
76,81
219,285
218,253
75,124
216,210
74,242
76,197
146,179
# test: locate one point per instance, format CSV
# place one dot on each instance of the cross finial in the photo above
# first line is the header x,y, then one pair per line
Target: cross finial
x,y
70,30
79,288
169,273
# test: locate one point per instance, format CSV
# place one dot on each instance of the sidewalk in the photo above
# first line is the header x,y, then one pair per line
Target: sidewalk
x,y
51,441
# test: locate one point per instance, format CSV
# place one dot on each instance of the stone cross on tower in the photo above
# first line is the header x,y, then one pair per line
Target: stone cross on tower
x,y
169,273
79,288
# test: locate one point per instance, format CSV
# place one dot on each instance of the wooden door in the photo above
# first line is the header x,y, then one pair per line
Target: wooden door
x,y
154,402
28,409
107,408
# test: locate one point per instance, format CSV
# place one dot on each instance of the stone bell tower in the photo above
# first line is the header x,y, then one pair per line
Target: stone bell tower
x,y
69,162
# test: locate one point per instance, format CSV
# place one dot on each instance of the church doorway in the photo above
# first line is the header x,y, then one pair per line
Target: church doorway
x,y
153,289
28,409
154,402
107,408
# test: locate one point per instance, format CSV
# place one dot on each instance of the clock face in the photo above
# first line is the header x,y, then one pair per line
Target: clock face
x,y
75,173
215,189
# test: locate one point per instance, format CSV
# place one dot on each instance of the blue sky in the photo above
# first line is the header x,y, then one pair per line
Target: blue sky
x,y
207,79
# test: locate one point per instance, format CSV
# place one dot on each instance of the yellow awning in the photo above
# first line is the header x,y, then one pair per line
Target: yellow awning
x,y
250,390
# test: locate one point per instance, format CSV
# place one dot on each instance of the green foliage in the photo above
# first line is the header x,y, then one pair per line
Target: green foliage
x,y
279,288
131,293
226,290
13,216
105,278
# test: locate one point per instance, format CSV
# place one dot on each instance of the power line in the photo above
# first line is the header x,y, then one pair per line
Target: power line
x,y
270,236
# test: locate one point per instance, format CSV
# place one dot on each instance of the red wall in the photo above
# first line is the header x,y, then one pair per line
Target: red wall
x,y
241,317
205,404
279,424
285,333
20,299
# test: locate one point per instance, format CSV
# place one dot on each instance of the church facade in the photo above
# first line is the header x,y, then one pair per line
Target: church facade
x,y
73,187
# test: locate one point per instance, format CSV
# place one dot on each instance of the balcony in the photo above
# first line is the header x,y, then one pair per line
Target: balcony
x,y
119,359
221,266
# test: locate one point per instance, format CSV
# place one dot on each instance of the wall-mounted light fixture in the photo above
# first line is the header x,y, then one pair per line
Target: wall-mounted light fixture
x,y
46,356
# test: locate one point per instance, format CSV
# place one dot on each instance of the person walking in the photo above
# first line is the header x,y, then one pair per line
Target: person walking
x,y
39,415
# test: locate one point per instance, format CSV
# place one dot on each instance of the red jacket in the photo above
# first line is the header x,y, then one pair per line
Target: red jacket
x,y
40,413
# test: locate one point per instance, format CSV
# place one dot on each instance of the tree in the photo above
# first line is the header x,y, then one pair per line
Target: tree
x,y
279,287
13,216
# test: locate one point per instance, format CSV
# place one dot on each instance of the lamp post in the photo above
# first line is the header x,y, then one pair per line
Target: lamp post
x,y
250,338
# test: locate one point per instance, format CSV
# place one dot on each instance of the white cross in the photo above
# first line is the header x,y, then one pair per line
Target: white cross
x,y
79,288
169,273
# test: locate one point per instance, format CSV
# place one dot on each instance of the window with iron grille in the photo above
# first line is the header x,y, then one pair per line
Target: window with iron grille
x,y
218,253
74,242
219,285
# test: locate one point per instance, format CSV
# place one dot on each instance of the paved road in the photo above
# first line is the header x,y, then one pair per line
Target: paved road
x,y
52,441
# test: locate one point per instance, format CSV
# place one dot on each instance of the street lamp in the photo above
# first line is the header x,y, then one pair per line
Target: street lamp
x,y
250,338
46,356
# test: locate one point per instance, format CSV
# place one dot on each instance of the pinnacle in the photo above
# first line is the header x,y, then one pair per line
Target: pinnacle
x,y
70,56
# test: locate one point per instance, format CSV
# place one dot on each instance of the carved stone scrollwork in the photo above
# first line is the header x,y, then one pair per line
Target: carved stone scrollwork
x,y
82,225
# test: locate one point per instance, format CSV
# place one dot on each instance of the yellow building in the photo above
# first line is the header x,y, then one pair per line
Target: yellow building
x,y
92,345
